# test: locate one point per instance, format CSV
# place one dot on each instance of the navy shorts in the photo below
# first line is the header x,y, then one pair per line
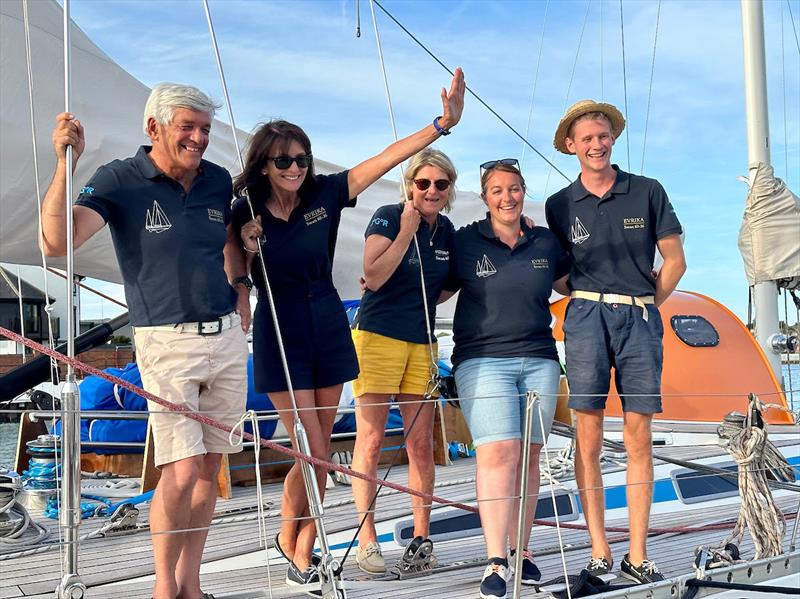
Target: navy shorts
x,y
600,336
316,336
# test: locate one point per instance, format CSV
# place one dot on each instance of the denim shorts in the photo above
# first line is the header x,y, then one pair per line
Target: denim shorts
x,y
600,336
492,392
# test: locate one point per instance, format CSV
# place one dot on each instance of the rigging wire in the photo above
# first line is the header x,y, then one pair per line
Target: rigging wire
x,y
650,86
48,304
535,82
571,80
358,18
794,29
470,90
602,61
625,84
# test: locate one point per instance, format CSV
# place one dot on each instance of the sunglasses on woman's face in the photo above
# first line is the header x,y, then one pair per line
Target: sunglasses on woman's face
x,y
284,162
487,166
440,184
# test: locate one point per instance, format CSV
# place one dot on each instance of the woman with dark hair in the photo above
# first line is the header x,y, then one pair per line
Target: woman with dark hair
x,y
298,213
504,347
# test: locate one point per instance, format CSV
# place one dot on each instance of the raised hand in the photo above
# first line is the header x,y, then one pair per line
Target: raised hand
x,y
453,101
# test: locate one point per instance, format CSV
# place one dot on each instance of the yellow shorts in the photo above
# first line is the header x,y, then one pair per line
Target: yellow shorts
x,y
391,366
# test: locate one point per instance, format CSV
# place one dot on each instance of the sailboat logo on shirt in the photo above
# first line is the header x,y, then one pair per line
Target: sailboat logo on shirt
x,y
485,268
578,232
157,221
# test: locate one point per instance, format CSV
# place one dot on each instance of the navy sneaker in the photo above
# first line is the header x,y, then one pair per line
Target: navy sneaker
x,y
315,559
599,566
297,577
493,584
644,573
530,571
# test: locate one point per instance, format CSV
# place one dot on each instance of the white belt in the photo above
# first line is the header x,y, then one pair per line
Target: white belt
x,y
209,327
616,298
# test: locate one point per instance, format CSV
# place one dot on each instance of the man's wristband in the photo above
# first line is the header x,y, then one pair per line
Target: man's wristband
x,y
439,129
246,281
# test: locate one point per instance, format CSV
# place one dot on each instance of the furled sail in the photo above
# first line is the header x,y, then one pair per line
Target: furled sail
x,y
769,238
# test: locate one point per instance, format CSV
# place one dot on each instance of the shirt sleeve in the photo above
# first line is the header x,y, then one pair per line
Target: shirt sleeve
x,y
97,192
562,263
666,222
453,283
550,214
337,186
385,222
239,214
227,212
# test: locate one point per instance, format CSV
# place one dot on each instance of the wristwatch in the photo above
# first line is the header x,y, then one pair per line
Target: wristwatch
x,y
246,281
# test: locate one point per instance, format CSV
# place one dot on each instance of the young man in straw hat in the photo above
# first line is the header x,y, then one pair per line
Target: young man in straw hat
x,y
611,222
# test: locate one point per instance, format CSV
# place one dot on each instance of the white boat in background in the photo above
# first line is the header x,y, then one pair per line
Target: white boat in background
x,y
712,365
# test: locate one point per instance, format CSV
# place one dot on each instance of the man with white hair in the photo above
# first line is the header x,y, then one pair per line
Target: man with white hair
x,y
610,222
183,270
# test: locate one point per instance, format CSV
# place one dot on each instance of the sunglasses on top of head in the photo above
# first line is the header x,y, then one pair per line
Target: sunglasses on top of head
x,y
284,162
424,184
487,166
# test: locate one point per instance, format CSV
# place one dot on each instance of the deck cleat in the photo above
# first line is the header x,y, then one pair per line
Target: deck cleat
x,y
416,559
124,519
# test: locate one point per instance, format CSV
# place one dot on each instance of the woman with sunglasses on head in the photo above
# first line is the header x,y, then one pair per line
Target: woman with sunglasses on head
x,y
396,351
505,271
298,213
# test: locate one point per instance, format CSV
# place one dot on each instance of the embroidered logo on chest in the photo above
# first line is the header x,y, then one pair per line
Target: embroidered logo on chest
x,y
540,262
156,220
636,222
315,216
442,254
215,216
484,268
578,233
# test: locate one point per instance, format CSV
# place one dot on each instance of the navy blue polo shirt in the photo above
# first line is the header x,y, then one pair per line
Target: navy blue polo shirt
x,y
168,242
612,240
299,252
396,310
503,307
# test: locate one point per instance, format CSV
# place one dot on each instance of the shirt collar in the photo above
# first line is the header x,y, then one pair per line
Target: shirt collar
x,y
621,186
485,229
148,168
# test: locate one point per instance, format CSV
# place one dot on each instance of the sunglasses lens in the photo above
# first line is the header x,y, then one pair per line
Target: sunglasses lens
x,y
284,162
422,184
487,166
442,184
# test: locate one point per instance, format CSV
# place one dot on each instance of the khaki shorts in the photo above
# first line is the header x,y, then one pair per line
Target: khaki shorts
x,y
391,366
205,373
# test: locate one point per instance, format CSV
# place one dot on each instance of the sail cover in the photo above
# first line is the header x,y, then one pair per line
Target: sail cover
x,y
769,238
109,102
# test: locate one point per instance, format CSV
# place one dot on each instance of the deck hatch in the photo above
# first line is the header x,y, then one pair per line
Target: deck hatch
x,y
694,487
694,331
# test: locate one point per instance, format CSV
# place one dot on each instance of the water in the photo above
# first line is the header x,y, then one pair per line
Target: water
x,y
791,382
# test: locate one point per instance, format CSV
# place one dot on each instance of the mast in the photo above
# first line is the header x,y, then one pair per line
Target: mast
x,y
765,294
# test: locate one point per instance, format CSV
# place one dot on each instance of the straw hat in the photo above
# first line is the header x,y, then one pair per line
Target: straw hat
x,y
579,109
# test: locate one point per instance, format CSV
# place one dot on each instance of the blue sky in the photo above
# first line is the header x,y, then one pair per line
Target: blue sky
x,y
302,61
